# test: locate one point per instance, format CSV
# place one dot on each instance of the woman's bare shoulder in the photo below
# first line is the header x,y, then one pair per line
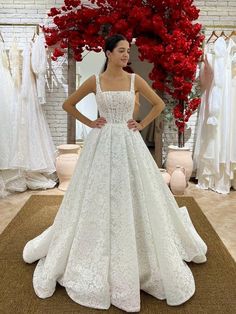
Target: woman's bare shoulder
x,y
138,77
90,83
138,82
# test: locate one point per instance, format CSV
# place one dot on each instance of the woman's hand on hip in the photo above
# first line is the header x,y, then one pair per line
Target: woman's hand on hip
x,y
134,125
98,123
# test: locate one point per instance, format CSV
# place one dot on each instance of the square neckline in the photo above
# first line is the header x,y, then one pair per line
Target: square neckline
x,y
116,91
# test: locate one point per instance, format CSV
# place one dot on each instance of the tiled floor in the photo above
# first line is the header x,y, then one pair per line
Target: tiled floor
x,y
219,209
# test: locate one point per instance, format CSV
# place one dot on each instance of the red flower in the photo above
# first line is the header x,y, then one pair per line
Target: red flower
x,y
180,125
72,3
136,13
54,11
194,103
165,36
58,53
121,26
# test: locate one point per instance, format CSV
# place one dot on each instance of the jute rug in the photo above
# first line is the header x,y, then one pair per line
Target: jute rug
x,y
215,280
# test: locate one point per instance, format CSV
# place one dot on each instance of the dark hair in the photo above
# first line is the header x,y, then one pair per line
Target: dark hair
x,y
110,44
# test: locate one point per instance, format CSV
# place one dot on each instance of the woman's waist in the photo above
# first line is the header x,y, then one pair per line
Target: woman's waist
x,y
116,120
117,123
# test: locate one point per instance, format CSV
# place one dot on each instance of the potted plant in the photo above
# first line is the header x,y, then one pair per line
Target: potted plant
x,y
180,111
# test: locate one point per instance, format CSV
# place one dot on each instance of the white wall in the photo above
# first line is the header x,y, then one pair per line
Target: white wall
x,y
91,64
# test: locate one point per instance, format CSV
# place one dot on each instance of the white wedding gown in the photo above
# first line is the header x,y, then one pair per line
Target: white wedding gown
x,y
119,228
32,147
6,109
27,152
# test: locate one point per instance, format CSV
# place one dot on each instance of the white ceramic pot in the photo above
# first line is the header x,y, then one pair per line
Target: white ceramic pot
x,y
165,175
68,149
181,156
65,165
178,181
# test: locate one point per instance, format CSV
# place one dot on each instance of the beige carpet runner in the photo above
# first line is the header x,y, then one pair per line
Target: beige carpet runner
x,y
215,280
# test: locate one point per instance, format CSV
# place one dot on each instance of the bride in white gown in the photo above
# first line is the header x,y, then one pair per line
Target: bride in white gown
x,y
119,228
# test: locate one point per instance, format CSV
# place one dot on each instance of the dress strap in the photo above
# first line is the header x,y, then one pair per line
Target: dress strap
x,y
132,82
98,88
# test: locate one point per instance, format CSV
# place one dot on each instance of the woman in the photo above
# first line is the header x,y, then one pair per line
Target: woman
x,y
118,229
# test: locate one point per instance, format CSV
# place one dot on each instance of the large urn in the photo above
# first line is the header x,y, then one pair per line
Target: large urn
x,y
179,156
68,149
68,155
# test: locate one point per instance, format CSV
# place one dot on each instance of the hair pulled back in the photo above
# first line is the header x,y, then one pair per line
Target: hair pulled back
x,y
110,44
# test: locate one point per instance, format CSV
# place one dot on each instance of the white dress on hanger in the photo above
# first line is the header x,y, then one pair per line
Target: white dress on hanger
x,y
213,159
39,66
6,109
233,114
32,147
206,79
31,150
15,61
15,178
119,228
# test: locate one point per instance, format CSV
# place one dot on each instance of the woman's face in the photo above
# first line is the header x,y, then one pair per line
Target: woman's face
x,y
120,54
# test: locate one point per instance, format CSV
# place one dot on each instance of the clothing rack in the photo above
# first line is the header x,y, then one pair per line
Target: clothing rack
x,y
219,26
222,27
20,24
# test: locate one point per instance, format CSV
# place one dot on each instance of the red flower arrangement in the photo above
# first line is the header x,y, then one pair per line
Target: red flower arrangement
x,y
165,36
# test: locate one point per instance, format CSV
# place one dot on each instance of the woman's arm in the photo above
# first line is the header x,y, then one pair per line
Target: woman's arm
x,y
136,107
142,87
157,103
69,105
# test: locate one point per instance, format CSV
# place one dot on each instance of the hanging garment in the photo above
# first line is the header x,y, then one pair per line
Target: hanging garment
x,y
206,76
233,114
39,66
32,146
15,64
119,228
11,180
14,57
18,176
212,159
6,109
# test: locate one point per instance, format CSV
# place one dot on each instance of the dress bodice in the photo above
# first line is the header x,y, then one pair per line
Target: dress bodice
x,y
115,106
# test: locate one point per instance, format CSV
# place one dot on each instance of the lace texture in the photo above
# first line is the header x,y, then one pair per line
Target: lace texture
x,y
118,229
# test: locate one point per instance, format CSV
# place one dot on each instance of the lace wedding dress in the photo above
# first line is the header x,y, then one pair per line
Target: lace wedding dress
x,y
118,229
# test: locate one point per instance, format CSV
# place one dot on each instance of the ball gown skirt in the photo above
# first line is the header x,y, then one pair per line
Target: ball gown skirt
x,y
118,228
